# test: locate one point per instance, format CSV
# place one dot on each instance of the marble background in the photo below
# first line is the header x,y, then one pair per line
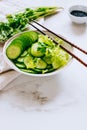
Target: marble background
x,y
56,102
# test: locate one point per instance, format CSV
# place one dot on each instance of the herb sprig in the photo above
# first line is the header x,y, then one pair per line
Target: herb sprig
x,y
18,22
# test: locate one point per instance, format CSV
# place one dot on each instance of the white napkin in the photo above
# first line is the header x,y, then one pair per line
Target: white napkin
x,y
6,73
3,65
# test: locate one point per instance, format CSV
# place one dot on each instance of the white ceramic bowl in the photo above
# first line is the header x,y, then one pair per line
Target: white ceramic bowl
x,y
76,19
10,63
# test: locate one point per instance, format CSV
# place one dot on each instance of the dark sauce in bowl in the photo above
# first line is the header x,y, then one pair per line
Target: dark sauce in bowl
x,y
79,13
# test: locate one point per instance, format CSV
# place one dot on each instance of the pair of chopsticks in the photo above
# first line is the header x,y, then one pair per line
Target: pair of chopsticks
x,y
61,37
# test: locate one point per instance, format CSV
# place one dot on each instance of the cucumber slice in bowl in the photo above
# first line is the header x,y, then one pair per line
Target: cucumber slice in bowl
x,y
31,59
38,49
20,44
14,49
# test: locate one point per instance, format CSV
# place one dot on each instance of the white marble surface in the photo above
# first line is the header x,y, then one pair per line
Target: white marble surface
x,y
50,103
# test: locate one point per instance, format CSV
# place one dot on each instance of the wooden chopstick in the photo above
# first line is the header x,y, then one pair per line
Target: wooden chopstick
x,y
61,37
73,55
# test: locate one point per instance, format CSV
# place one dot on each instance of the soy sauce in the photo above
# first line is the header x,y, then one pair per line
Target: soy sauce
x,y
79,13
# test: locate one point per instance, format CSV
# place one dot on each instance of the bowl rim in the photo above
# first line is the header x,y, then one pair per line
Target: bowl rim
x,y
10,63
77,7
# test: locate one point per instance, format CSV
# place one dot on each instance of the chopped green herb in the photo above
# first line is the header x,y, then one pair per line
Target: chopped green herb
x,y
18,22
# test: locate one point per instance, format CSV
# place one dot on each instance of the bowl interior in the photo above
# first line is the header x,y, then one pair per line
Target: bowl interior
x,y
78,7
11,64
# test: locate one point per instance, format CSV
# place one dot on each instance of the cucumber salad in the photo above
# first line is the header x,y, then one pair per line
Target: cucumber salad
x,y
35,53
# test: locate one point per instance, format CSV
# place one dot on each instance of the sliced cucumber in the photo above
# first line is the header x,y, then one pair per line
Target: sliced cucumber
x,y
29,62
19,44
47,70
24,53
29,71
38,50
20,65
47,59
40,64
20,59
29,50
39,71
29,37
33,35
14,49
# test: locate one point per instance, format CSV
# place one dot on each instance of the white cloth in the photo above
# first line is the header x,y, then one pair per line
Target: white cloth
x,y
6,74
3,65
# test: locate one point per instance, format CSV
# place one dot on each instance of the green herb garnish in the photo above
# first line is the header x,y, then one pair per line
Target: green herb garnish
x,y
18,22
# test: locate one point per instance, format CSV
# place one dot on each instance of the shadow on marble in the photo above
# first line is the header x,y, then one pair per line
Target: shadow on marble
x,y
42,94
78,29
